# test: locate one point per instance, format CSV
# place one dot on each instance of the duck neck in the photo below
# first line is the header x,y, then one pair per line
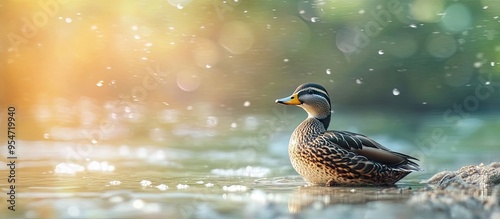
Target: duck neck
x,y
307,130
326,121
320,111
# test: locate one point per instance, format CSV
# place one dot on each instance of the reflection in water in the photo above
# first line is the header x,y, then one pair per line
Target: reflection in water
x,y
319,197
246,171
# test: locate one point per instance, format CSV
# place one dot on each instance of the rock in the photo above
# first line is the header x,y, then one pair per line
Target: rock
x,y
470,192
468,177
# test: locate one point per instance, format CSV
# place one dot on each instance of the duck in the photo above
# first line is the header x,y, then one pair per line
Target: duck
x,y
339,158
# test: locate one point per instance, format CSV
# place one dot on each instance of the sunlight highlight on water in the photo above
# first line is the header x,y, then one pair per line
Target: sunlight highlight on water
x,y
68,168
162,187
245,171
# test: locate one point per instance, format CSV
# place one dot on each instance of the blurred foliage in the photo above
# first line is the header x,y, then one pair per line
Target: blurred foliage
x,y
218,54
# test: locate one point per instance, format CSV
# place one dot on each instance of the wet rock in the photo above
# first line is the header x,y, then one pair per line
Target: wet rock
x,y
470,192
468,177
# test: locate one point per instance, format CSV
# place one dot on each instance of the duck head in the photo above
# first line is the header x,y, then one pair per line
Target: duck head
x,y
314,99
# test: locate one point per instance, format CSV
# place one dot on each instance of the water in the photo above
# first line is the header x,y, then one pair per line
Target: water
x,y
214,170
195,189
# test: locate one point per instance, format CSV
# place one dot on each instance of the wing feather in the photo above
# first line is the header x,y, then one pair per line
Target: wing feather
x,y
361,145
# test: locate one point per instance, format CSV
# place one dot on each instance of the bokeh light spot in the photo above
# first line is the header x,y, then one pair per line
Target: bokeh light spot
x,y
441,45
427,10
206,53
188,80
236,37
348,39
458,70
402,46
457,18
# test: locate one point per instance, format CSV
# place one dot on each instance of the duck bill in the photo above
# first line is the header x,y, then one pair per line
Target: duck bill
x,y
290,100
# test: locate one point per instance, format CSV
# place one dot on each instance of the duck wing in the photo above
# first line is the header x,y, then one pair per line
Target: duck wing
x,y
363,146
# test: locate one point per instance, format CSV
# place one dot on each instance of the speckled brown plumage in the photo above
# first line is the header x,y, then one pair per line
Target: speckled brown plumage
x,y
338,157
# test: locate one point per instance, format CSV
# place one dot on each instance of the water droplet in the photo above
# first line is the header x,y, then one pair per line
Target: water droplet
x,y
414,26
246,104
68,20
381,52
395,92
234,125
314,19
425,103
285,60
328,71
208,66
485,7
359,81
492,64
487,83
99,83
